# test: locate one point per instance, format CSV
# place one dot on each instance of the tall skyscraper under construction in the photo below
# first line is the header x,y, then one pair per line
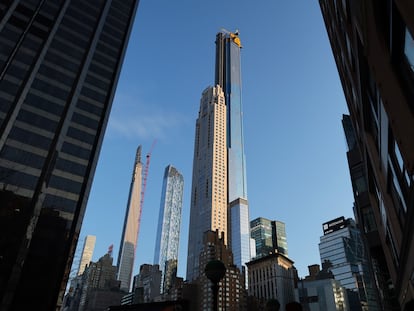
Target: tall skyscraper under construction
x,y
59,65
219,194
169,223
131,226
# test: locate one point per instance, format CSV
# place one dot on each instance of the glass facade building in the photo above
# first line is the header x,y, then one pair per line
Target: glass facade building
x,y
228,77
269,236
169,223
342,248
130,229
59,65
219,194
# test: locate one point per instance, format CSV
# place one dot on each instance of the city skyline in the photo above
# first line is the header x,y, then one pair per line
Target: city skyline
x,y
292,104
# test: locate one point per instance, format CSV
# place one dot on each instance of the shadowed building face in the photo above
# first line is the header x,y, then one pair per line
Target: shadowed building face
x,y
59,65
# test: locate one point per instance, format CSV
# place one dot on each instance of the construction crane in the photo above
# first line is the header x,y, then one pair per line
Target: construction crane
x,y
144,186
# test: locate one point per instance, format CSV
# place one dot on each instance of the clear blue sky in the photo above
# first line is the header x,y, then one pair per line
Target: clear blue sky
x,y
292,101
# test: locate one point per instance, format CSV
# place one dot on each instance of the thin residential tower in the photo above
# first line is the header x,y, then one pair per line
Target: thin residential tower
x,y
131,226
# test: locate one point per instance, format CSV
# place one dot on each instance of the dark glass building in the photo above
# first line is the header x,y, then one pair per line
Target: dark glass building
x,y
372,42
269,236
59,65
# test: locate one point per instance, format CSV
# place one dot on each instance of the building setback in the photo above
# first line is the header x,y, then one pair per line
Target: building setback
x,y
59,65
169,223
130,229
228,77
372,42
219,194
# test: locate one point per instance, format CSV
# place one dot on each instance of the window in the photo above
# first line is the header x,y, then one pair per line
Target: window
x,y
409,48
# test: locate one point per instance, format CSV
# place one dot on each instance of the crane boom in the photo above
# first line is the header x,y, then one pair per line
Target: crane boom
x,y
144,186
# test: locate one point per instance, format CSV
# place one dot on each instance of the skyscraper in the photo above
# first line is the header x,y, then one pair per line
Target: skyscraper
x,y
373,46
130,230
208,209
228,77
269,236
219,195
59,65
87,253
169,223
342,248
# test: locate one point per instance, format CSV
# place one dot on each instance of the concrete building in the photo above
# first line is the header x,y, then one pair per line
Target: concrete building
x,y
169,224
59,66
269,236
219,194
208,209
147,284
130,229
96,289
342,248
320,291
372,42
87,253
272,277
232,294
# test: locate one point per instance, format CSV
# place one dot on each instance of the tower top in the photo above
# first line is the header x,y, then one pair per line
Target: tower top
x,y
233,35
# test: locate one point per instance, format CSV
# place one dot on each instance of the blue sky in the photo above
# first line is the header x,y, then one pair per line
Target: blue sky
x,y
292,108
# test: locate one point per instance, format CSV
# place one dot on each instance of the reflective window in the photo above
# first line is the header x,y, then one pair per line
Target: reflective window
x,y
409,48
22,157
30,137
65,184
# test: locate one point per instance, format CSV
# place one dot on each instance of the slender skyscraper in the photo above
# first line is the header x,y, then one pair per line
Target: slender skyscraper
x,y
59,65
228,77
131,226
219,195
169,223
87,253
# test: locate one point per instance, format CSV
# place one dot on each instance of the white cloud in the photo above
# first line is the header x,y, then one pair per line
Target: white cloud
x,y
144,126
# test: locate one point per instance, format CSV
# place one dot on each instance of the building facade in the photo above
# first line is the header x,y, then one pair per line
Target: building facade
x,y
147,284
219,194
231,293
59,66
87,253
208,209
96,288
320,291
228,77
269,236
130,229
372,42
272,277
322,294
342,248
169,224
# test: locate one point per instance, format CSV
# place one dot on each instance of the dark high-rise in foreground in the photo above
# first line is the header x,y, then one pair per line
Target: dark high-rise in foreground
x,y
372,42
59,65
